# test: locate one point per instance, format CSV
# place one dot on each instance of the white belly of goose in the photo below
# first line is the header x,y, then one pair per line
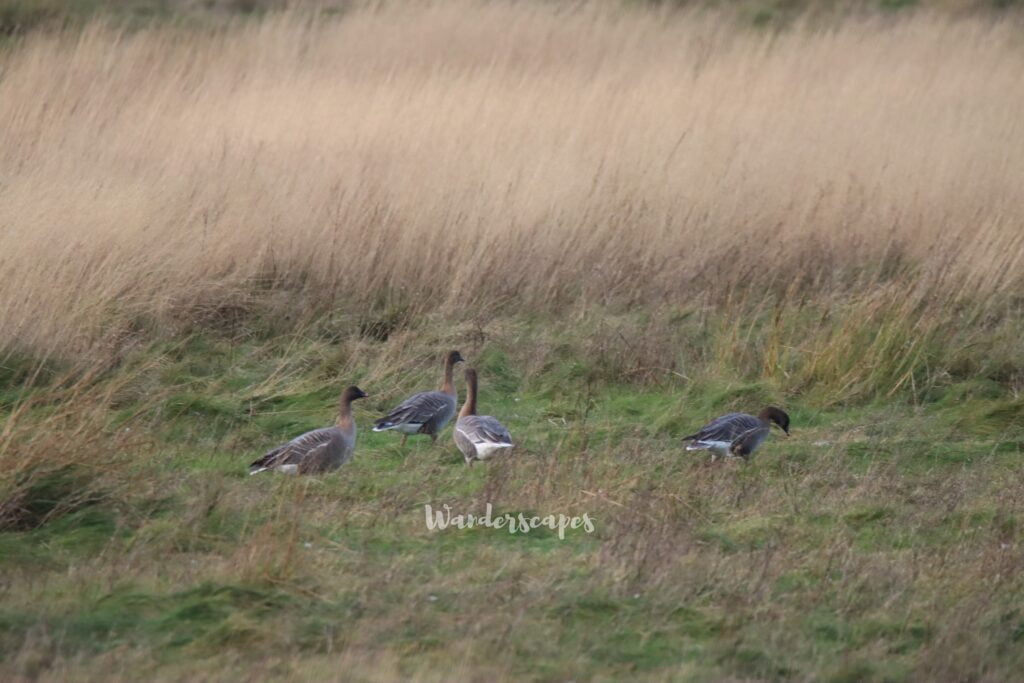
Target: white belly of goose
x,y
486,450
720,449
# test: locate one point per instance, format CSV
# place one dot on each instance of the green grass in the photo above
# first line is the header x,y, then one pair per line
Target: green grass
x,y
21,16
857,549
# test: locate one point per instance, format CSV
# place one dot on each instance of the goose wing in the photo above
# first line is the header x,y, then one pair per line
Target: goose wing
x,y
749,441
483,429
309,446
726,428
419,408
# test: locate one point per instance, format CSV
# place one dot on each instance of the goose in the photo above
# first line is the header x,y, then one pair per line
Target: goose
x,y
479,437
737,434
320,450
426,412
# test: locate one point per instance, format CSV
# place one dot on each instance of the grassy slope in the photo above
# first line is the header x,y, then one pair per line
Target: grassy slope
x,y
879,542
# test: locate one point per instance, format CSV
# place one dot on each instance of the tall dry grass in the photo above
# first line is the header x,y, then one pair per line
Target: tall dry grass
x,y
472,158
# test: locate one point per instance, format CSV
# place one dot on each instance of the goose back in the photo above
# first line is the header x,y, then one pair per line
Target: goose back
x,y
737,434
424,413
427,412
315,452
726,428
319,450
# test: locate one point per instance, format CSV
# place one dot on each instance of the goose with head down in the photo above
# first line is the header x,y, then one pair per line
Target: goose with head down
x,y
426,412
479,437
320,450
737,434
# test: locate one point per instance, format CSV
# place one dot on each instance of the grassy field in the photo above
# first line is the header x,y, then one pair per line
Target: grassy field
x,y
630,220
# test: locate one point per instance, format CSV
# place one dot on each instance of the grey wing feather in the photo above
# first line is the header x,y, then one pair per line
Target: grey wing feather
x,y
727,427
484,429
297,449
748,442
320,459
419,409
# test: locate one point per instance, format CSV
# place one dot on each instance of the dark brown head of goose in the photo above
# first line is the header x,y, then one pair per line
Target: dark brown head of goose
x,y
776,415
453,358
351,394
345,421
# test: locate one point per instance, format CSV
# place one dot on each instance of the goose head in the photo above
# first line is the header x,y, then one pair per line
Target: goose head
x,y
352,393
776,415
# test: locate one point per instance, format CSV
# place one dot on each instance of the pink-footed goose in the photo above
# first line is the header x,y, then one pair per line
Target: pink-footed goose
x,y
426,412
737,434
479,437
320,450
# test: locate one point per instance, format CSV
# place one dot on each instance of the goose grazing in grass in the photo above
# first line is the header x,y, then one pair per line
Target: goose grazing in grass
x,y
320,450
426,412
737,434
479,437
